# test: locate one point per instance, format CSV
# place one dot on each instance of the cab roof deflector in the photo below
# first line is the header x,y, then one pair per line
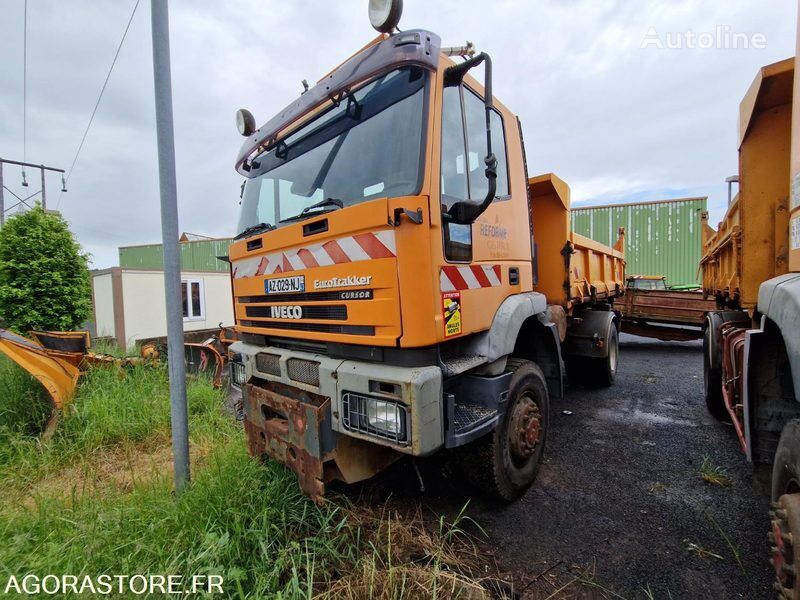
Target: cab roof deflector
x,y
413,47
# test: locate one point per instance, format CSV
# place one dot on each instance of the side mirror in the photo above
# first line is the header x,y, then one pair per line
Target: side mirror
x,y
466,212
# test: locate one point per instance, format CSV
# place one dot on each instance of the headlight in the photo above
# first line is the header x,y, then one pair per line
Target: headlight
x,y
384,416
245,122
371,416
384,15
238,373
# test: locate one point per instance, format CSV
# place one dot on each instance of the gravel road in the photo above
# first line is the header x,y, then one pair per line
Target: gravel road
x,y
620,508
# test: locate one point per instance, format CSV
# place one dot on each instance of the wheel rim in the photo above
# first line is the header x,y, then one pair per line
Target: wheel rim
x,y
525,428
784,512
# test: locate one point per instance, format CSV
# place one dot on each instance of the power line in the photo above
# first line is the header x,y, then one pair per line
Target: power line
x,y
99,98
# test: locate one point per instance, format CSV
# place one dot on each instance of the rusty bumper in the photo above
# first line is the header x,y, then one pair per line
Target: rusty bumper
x,y
293,426
287,424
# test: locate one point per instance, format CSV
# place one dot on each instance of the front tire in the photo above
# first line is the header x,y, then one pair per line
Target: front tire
x,y
505,462
786,468
785,513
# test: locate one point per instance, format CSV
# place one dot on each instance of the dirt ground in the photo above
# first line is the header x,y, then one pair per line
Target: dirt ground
x,y
620,508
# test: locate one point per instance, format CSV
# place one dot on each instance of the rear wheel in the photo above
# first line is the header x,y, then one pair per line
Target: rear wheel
x,y
505,462
785,513
712,376
604,370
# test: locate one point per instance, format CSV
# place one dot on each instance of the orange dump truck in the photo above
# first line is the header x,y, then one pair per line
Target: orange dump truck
x,y
399,286
751,267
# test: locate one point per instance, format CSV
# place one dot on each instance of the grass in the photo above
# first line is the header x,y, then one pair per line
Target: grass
x,y
701,552
98,498
734,550
714,474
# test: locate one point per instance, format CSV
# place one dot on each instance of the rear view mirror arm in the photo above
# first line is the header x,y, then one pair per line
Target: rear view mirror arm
x,y
465,213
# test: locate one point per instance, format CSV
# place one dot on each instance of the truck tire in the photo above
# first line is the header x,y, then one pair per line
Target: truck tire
x,y
712,376
603,371
785,513
505,462
786,468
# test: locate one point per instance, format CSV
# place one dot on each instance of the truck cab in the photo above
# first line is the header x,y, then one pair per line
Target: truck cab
x,y
384,275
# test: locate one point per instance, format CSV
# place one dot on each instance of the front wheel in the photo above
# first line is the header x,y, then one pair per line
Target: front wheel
x,y
785,513
505,462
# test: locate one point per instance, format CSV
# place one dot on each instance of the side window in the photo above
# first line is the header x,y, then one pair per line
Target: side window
x,y
454,186
476,142
454,175
193,301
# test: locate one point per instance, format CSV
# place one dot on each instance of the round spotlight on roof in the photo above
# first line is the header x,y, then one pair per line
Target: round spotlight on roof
x,y
245,122
384,15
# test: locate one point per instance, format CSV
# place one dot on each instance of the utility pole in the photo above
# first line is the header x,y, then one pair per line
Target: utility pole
x,y
44,196
159,15
42,169
2,200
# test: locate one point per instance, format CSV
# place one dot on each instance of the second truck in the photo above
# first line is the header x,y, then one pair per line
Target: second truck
x,y
401,286
751,268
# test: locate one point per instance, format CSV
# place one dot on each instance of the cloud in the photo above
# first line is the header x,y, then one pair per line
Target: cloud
x,y
616,121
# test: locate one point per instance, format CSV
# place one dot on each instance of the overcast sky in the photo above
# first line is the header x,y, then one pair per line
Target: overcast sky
x,y
617,121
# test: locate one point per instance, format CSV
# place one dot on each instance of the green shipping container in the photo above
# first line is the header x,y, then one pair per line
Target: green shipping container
x,y
200,255
661,238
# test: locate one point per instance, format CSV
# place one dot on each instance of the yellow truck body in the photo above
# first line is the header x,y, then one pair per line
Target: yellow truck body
x,y
751,244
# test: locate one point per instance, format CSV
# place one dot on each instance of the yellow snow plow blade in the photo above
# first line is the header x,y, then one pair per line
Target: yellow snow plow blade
x,y
58,371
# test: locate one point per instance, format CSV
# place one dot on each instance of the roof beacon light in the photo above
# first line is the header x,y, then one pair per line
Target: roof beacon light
x,y
245,122
384,15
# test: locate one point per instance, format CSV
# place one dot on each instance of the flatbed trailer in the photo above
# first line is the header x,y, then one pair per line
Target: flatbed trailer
x,y
665,314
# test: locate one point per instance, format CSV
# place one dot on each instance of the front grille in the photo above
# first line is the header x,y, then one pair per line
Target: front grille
x,y
376,417
309,297
337,312
304,371
314,327
268,363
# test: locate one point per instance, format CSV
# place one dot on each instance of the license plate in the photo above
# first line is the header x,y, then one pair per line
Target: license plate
x,y
284,285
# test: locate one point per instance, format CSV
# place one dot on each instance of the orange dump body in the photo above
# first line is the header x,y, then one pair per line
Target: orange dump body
x,y
572,269
751,244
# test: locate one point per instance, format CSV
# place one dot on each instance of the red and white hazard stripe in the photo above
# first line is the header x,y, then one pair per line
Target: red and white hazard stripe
x,y
364,246
469,277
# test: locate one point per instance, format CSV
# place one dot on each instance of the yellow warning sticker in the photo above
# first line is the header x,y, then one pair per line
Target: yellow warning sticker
x,y
451,310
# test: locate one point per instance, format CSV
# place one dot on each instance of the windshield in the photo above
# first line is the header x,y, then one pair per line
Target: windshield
x,y
648,284
370,146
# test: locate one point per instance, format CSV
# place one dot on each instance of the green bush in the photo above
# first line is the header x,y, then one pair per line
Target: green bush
x,y
24,405
44,274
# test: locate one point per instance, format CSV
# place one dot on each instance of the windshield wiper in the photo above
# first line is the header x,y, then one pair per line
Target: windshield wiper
x,y
254,229
306,212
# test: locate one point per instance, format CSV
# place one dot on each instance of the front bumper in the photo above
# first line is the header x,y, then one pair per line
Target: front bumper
x,y
299,410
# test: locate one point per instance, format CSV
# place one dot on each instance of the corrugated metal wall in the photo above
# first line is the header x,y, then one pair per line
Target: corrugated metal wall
x,y
195,256
661,238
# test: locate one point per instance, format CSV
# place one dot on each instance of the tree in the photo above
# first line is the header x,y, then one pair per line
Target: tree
x,y
44,274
